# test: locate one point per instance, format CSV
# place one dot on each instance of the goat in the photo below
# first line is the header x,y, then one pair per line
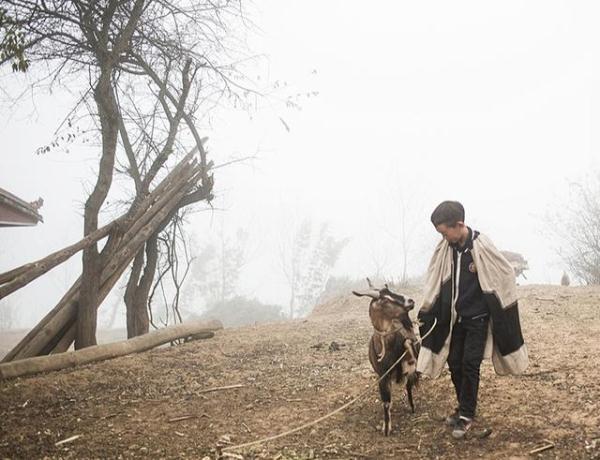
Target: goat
x,y
393,335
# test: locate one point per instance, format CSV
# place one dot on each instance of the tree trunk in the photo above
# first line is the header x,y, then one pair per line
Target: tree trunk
x,y
130,292
137,293
90,278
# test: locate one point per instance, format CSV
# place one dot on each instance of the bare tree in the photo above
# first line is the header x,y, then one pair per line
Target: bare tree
x,y
293,255
398,214
577,227
149,65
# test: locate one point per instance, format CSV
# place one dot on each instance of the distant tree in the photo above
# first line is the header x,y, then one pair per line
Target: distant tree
x,y
216,270
577,226
564,279
306,261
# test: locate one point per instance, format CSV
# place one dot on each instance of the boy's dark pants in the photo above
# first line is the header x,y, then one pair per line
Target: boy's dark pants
x,y
466,353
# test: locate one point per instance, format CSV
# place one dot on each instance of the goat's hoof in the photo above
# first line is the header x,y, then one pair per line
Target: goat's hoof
x,y
387,430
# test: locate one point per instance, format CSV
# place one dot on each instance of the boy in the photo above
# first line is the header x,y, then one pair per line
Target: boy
x,y
471,291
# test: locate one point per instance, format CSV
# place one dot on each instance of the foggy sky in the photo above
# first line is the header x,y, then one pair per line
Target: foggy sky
x,y
492,104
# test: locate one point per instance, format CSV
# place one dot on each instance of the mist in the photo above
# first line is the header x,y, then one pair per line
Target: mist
x,y
396,108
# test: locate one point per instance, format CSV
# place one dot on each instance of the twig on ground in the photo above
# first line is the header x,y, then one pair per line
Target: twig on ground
x,y
543,448
65,441
182,418
358,454
229,387
230,455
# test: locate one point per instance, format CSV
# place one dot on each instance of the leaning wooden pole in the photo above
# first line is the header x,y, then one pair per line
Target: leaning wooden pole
x,y
118,265
16,278
34,333
49,335
19,277
97,353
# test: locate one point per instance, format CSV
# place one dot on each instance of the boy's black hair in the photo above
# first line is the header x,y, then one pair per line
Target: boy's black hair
x,y
448,213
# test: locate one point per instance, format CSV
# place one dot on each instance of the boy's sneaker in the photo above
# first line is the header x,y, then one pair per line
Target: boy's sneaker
x,y
452,419
462,426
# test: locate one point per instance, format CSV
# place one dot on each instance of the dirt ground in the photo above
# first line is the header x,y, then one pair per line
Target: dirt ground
x,y
156,404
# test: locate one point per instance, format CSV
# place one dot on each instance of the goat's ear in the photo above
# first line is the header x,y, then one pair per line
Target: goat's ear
x,y
373,294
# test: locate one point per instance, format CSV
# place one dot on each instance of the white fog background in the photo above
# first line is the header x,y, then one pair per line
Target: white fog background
x,y
494,104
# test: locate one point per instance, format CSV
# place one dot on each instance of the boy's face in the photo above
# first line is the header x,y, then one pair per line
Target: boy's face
x,y
452,234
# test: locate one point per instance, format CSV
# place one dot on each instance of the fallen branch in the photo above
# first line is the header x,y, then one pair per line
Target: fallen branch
x,y
97,353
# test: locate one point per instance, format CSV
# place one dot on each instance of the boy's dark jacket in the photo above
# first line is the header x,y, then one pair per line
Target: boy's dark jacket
x,y
505,342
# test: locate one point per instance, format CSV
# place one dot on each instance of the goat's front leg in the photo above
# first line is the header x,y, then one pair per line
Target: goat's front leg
x,y
409,370
385,391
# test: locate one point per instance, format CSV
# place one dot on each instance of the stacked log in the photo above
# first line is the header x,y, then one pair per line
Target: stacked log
x,y
126,236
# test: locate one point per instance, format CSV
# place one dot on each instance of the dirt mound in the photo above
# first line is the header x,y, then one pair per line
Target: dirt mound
x,y
252,382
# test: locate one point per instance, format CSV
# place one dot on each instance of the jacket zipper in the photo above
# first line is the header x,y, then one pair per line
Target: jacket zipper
x,y
456,272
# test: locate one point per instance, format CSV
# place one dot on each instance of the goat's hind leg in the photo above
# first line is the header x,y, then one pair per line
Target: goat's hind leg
x,y
385,391
411,382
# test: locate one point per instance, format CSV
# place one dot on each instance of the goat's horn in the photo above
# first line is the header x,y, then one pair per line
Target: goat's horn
x,y
370,284
374,294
